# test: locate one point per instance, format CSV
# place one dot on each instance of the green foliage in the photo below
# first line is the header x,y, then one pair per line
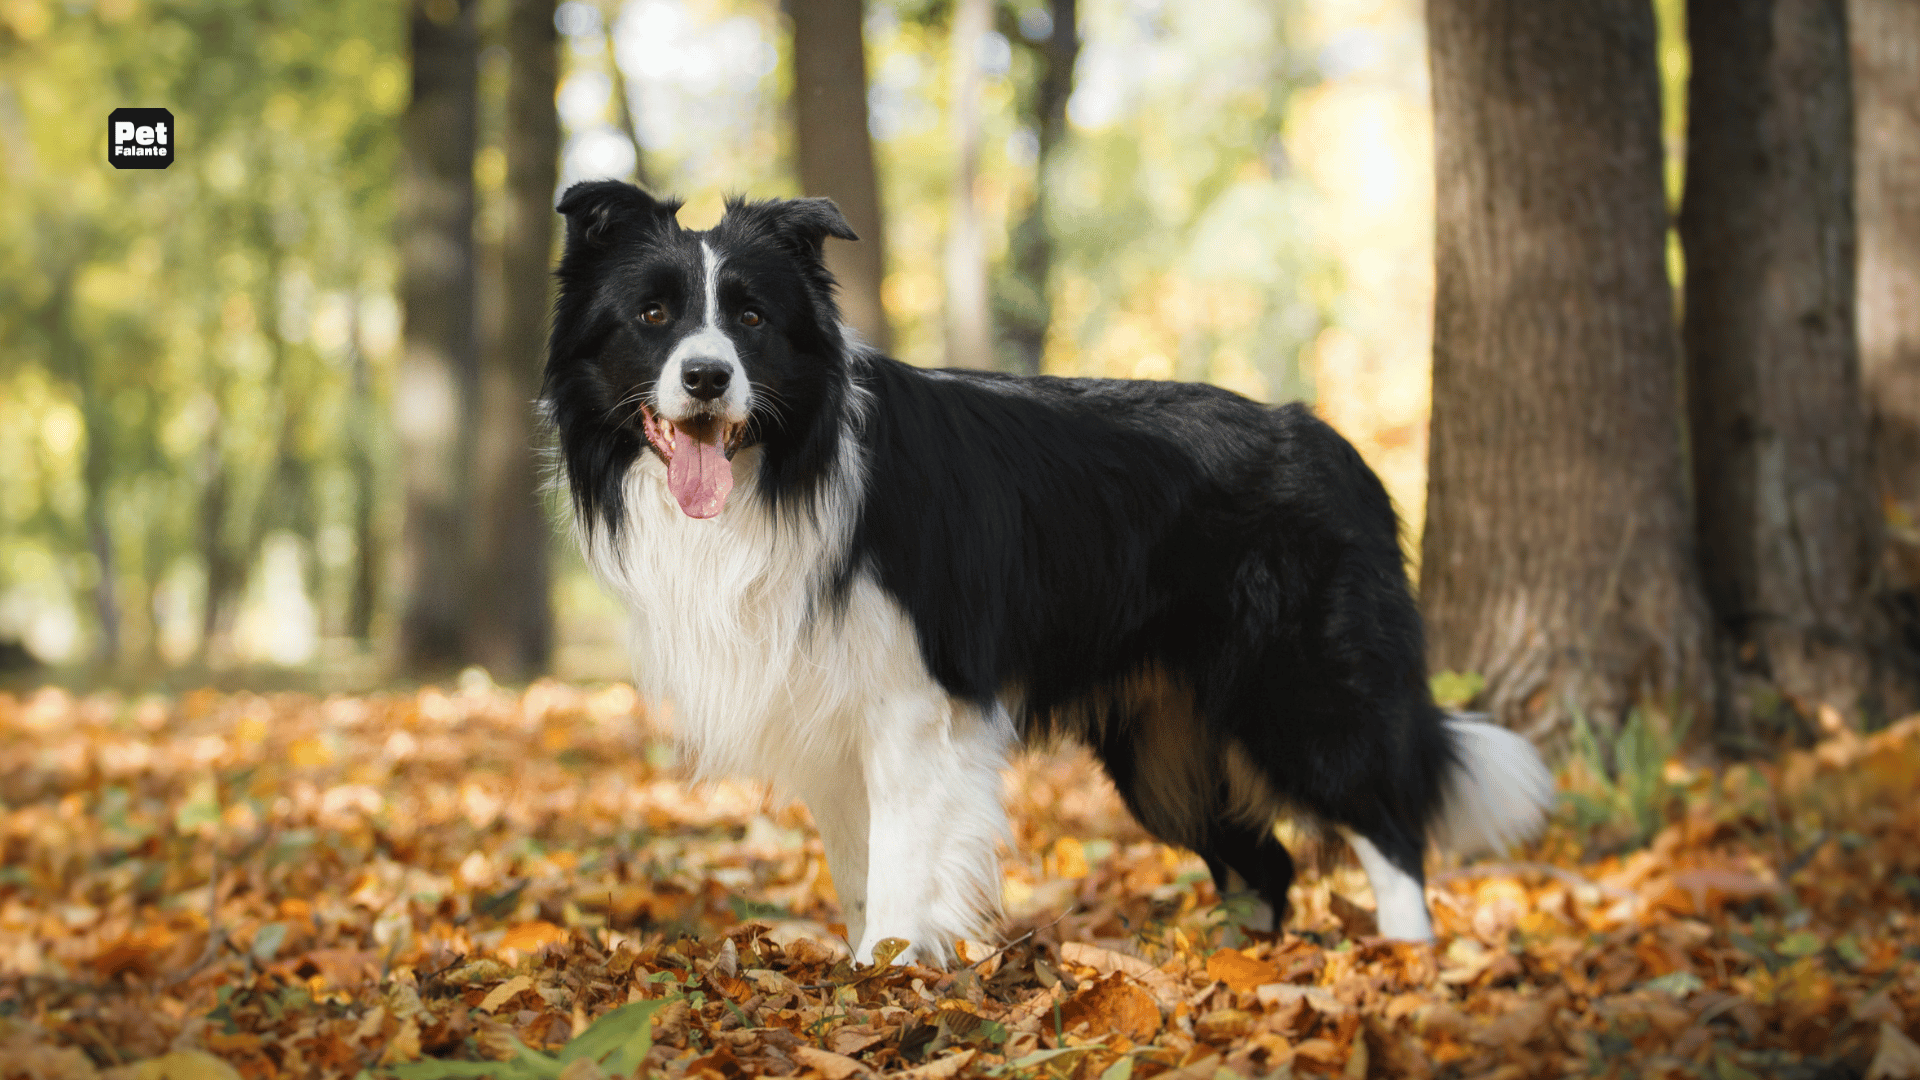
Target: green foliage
x,y
618,1042
1624,776
1456,689
187,337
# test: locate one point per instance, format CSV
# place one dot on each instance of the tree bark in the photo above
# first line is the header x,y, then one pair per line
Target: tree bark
x,y
1788,532
623,103
969,320
835,151
363,594
439,367
1558,551
1026,316
1886,84
513,623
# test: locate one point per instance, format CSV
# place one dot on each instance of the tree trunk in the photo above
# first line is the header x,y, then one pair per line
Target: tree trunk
x,y
1886,86
98,473
1557,560
1026,315
835,151
440,365
623,103
364,593
969,322
1788,533
513,623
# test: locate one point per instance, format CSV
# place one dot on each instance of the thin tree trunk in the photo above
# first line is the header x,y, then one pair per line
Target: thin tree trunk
x,y
70,355
223,572
1886,85
513,625
439,368
1028,314
623,104
969,321
98,472
1789,536
364,594
1557,558
835,151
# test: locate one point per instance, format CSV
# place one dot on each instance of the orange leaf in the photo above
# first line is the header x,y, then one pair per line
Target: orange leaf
x,y
829,1064
528,937
1240,971
1115,1005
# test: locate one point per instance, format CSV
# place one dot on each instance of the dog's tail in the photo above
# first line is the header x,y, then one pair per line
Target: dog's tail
x,y
1497,793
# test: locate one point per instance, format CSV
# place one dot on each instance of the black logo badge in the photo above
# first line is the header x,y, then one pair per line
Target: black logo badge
x,y
140,138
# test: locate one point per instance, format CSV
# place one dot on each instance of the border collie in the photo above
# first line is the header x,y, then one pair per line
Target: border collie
x,y
863,582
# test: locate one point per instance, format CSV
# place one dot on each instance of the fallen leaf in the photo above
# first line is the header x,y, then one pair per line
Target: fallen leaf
x,y
1239,971
179,1065
940,1068
1897,1058
529,937
1116,1005
829,1064
505,992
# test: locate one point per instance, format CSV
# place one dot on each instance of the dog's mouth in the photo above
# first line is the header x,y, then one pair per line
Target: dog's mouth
x,y
697,451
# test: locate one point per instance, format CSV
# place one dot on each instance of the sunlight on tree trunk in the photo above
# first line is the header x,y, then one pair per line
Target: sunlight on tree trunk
x,y
1557,556
1789,536
623,103
434,405
1027,314
834,152
1886,83
513,622
969,323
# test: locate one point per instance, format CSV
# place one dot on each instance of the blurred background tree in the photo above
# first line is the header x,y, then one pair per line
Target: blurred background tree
x,y
267,414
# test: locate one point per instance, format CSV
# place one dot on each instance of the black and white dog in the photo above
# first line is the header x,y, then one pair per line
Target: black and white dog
x,y
863,582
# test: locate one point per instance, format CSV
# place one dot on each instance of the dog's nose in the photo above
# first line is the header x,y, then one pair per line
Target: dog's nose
x,y
706,379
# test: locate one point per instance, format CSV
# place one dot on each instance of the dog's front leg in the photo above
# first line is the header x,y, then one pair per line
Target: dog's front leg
x,y
933,789
837,797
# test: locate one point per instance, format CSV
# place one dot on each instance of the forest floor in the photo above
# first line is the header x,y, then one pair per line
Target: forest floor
x,y
478,882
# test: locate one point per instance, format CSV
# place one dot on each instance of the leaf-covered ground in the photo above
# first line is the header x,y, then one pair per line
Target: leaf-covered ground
x,y
290,886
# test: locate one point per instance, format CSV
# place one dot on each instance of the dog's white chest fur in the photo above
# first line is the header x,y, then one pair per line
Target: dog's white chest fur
x,y
729,625
830,703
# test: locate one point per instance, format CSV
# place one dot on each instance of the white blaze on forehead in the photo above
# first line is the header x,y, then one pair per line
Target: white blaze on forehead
x,y
710,284
708,342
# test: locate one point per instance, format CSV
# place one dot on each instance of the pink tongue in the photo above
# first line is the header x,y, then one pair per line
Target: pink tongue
x,y
699,475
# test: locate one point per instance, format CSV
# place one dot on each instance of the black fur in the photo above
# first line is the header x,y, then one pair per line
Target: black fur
x,y
1127,562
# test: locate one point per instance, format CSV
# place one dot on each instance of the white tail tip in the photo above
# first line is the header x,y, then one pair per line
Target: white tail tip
x,y
1498,795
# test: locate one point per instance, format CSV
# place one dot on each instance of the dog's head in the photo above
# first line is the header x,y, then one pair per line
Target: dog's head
x,y
689,345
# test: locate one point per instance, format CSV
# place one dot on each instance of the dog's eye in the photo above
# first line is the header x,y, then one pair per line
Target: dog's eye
x,y
750,317
654,314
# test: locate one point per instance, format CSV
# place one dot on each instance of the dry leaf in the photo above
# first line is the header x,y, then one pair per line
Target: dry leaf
x,y
940,1068
1116,1005
1897,1057
505,992
179,1065
1240,971
854,1038
830,1065
529,937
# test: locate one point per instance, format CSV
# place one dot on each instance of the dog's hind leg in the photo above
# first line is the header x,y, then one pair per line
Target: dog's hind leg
x,y
1184,792
1245,858
1392,863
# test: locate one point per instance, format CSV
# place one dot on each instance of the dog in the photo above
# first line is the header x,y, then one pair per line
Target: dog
x,y
863,582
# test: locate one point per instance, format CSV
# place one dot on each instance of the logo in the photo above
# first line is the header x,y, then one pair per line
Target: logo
x,y
140,138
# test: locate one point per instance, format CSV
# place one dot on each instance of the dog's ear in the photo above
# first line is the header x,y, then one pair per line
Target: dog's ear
x,y
802,225
811,221
600,211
